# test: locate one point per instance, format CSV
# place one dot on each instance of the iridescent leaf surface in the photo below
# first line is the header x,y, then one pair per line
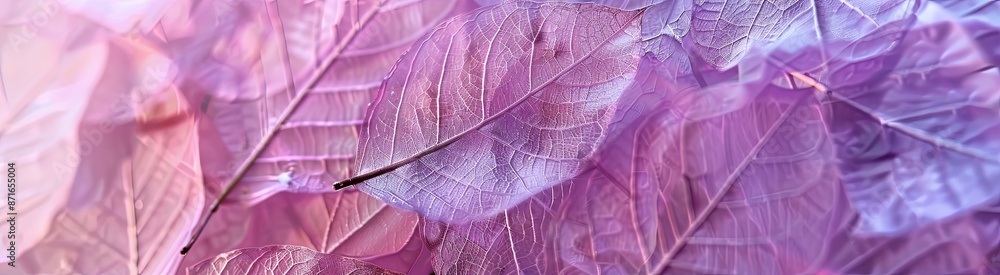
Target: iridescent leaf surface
x,y
315,146
664,194
495,106
978,17
755,191
917,139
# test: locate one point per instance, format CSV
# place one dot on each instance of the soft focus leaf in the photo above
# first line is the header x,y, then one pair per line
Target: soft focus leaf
x,y
47,83
916,141
978,17
961,245
283,259
495,106
137,193
119,16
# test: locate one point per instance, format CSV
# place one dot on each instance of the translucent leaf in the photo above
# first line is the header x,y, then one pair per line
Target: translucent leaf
x,y
917,141
732,194
350,224
316,145
723,32
346,223
283,259
496,106
664,26
978,19
754,191
47,84
135,196
223,233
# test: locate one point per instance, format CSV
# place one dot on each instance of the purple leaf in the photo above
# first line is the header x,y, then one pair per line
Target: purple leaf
x,y
723,32
496,106
283,259
960,245
744,192
751,190
916,139
351,224
754,191
663,28
137,193
316,145
978,19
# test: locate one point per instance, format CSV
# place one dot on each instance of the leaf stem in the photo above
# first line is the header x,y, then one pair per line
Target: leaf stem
x,y
259,149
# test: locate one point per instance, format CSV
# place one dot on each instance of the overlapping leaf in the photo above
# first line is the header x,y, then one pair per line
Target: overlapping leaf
x,y
42,102
283,259
317,144
665,195
350,224
960,245
978,17
753,191
915,139
495,106
315,147
723,32
136,194
223,233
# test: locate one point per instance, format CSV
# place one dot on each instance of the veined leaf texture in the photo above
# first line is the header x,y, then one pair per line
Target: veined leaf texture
x,y
502,136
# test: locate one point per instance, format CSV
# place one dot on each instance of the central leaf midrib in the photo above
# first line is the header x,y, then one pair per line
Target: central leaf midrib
x,y
727,185
395,165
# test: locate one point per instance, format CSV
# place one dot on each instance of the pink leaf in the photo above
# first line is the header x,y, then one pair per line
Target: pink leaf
x,y
351,224
48,82
136,195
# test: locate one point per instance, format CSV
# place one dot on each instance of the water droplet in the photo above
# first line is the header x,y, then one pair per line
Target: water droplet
x,y
138,205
